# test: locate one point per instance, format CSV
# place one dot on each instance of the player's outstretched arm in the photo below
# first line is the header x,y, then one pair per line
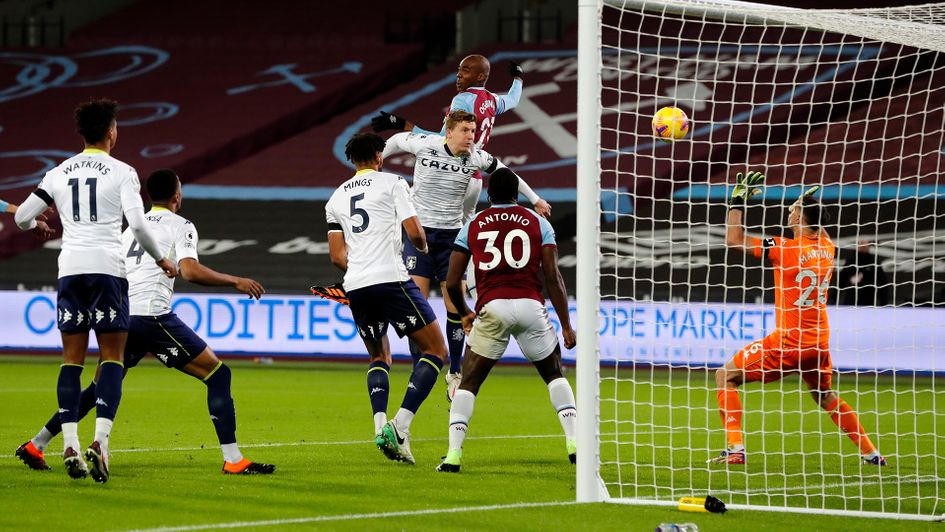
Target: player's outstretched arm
x,y
542,207
557,292
746,186
459,259
191,270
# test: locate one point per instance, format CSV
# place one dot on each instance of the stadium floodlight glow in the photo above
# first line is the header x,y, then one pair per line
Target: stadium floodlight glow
x,y
851,100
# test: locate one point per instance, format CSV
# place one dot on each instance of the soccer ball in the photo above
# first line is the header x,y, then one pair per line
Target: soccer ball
x,y
670,123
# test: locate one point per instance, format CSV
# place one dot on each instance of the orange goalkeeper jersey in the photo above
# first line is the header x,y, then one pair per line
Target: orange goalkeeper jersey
x,y
802,270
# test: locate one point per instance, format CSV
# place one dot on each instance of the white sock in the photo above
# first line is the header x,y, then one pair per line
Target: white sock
x,y
70,436
103,430
562,398
403,419
380,419
41,440
460,412
231,453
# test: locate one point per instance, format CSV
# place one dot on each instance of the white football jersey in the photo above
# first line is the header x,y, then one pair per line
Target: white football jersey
x,y
370,208
439,177
149,290
91,191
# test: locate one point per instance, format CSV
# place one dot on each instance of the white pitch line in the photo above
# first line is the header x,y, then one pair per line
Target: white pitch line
x,y
349,517
315,443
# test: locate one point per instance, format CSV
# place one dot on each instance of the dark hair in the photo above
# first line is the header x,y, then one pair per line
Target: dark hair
x,y
363,147
814,212
503,186
162,184
94,118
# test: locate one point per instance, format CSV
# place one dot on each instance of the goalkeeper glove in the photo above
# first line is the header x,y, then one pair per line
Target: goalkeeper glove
x,y
516,70
811,191
385,121
746,186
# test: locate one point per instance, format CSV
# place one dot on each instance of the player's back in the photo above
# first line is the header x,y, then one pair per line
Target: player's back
x,y
149,290
87,190
802,279
370,208
505,242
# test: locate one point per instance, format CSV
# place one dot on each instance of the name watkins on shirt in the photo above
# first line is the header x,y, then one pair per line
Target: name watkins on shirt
x,y
98,166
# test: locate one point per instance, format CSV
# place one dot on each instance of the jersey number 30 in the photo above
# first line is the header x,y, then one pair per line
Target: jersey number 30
x,y
506,253
806,299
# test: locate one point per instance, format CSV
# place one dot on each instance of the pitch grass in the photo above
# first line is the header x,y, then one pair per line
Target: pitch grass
x,y
313,420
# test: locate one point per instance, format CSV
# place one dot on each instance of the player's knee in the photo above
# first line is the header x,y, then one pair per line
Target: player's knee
x,y
721,376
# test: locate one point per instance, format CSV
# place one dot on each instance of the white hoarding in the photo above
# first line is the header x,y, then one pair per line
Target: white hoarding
x,y
862,338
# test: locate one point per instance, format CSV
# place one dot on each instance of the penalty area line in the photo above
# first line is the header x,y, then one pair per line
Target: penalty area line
x,y
349,517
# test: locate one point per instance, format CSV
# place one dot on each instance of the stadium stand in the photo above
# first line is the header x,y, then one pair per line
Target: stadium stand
x,y
199,92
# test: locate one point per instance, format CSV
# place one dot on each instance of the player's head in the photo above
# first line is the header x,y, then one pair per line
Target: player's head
x,y
473,71
503,187
460,132
365,150
96,121
808,212
164,189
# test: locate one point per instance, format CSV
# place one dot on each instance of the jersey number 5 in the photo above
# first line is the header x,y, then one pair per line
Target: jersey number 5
x,y
358,211
805,299
506,253
92,183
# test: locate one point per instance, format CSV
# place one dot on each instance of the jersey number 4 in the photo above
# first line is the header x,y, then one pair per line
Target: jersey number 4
x,y
807,297
92,183
498,256
135,251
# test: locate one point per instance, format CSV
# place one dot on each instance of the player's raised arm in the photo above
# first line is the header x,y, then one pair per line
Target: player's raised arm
x,y
746,186
404,142
506,102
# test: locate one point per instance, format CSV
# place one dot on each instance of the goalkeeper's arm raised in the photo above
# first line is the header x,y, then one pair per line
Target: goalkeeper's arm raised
x,y
746,186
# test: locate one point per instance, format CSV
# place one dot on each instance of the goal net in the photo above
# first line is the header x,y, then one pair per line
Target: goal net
x,y
851,100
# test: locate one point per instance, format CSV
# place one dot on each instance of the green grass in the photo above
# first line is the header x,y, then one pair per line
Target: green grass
x,y
313,420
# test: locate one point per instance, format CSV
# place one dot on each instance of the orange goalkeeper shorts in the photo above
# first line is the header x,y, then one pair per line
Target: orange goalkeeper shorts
x,y
769,359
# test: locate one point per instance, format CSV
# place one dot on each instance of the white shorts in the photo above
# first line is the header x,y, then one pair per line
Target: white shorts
x,y
525,319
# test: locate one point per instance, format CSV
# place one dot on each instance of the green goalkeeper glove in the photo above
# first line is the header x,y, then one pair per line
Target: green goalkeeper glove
x,y
746,186
811,191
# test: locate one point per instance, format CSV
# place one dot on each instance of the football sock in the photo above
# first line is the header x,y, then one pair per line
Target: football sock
x,y
41,440
103,430
220,405
562,398
108,389
68,392
54,425
380,419
403,419
414,351
456,339
231,453
460,412
730,408
845,418
421,382
378,385
70,435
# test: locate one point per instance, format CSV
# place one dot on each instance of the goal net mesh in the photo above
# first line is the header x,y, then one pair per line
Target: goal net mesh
x,y
853,101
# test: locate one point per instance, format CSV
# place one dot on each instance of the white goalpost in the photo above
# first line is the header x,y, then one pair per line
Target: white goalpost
x,y
851,100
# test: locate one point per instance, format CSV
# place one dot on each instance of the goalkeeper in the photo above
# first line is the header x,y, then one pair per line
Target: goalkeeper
x,y
802,265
